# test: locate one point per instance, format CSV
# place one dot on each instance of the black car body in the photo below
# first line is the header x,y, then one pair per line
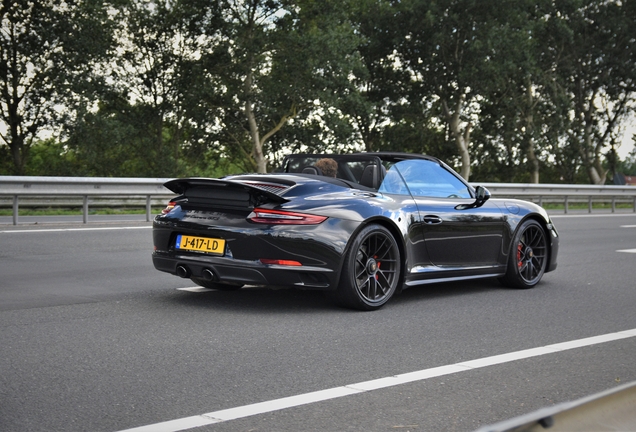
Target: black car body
x,y
386,222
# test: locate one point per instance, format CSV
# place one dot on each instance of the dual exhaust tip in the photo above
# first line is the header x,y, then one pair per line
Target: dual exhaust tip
x,y
184,272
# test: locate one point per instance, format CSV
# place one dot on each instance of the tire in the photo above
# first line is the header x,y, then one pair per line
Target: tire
x,y
214,285
528,256
371,270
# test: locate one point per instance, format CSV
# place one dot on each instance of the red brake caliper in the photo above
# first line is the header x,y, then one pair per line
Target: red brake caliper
x,y
519,249
376,275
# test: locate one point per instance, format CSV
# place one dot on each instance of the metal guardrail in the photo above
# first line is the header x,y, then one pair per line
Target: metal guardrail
x,y
97,188
611,409
565,193
85,187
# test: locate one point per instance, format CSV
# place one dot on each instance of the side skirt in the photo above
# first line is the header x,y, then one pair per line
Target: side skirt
x,y
451,279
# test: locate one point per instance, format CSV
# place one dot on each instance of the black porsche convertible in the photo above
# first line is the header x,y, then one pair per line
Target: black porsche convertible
x,y
360,226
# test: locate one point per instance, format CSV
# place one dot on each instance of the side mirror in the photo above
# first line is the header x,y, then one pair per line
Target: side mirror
x,y
481,195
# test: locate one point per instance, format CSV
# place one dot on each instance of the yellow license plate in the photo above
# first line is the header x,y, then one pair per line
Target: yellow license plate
x,y
200,244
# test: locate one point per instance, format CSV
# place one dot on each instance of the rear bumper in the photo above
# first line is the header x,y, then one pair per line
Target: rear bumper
x,y
313,252
232,271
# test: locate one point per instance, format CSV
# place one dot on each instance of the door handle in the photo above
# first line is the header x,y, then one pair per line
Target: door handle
x,y
432,220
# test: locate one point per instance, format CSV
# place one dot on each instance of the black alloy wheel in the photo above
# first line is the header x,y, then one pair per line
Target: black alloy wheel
x,y
371,270
528,256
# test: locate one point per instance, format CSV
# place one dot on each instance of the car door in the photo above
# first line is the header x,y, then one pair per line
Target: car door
x,y
457,233
416,258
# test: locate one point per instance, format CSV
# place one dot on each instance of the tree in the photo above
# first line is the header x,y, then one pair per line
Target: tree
x,y
114,141
288,61
596,45
446,48
370,108
47,52
157,73
514,109
152,110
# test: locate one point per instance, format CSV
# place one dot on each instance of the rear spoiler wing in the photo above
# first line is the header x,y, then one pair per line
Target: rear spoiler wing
x,y
223,192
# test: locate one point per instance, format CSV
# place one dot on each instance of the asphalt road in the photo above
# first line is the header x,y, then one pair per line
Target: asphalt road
x,y
92,338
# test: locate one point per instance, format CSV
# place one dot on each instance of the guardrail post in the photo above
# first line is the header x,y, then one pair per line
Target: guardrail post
x,y
565,204
15,209
148,209
541,200
613,204
634,208
589,205
85,208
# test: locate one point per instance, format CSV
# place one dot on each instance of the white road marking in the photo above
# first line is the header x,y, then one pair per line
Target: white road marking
x,y
75,229
627,250
628,226
361,387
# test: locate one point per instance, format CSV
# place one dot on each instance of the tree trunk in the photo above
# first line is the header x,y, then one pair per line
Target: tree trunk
x,y
462,139
16,141
257,144
17,148
591,153
534,163
529,123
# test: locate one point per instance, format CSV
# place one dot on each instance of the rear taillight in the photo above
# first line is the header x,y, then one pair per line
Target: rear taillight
x,y
280,217
169,207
